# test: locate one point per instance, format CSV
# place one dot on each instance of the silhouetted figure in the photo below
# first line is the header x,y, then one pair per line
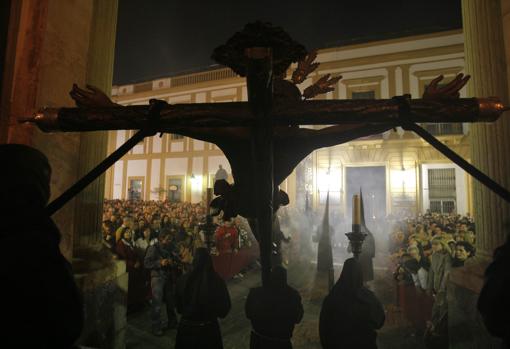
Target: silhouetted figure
x,y
494,300
201,298
351,313
160,259
273,312
40,306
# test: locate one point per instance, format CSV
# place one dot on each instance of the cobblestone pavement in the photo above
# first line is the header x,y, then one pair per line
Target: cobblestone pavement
x,y
396,334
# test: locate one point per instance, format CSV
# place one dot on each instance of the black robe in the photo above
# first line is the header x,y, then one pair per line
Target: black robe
x,y
201,298
350,313
351,323
39,301
273,313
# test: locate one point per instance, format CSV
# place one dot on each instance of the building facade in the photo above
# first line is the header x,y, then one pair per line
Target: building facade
x,y
397,171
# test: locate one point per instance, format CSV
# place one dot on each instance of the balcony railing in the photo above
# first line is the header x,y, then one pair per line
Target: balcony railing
x,y
444,129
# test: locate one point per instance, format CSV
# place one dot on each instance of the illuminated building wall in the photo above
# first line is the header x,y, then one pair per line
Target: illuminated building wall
x,y
181,168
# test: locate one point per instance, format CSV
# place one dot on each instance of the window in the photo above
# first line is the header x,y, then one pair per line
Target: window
x,y
174,189
135,189
440,206
442,190
363,95
175,137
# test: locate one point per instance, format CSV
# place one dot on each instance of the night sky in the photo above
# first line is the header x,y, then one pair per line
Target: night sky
x,y
157,38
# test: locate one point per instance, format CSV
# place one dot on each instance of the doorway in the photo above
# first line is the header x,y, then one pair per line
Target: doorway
x,y
372,182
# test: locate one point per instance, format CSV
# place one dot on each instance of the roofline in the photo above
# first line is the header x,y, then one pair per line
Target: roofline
x,y
319,51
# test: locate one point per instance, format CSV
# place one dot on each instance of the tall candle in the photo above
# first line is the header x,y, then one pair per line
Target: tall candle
x,y
356,210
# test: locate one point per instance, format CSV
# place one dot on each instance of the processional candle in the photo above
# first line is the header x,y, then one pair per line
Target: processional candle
x,y
356,212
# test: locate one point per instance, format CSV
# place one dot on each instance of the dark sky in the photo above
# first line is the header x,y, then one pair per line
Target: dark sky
x,y
157,38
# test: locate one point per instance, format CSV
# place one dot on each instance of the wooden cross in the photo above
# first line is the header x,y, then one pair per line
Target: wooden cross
x,y
261,138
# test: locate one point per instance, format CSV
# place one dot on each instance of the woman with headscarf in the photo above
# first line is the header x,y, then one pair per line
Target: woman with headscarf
x,y
201,298
350,313
126,251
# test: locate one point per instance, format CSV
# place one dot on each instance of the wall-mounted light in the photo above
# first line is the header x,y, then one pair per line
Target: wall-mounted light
x,y
403,180
329,179
196,182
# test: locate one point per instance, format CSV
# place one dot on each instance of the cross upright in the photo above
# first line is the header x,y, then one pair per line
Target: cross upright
x,y
261,138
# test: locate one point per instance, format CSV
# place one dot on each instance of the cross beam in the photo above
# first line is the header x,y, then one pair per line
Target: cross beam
x,y
239,114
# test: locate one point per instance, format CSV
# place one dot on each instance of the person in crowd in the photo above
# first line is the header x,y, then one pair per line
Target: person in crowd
x,y
165,222
406,292
143,242
160,260
135,229
273,312
108,236
350,313
156,225
201,298
126,224
40,304
469,237
227,238
126,251
418,265
397,240
141,246
451,245
463,251
115,222
440,266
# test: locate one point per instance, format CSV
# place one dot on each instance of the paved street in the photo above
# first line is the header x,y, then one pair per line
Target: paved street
x,y
236,328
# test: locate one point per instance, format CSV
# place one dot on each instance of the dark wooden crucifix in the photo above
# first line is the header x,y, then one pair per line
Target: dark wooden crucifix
x,y
261,138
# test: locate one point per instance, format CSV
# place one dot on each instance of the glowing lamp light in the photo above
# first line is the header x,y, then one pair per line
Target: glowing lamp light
x,y
403,180
196,183
329,179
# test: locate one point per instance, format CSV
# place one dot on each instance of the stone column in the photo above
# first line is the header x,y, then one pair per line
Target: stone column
x,y
487,65
103,281
93,145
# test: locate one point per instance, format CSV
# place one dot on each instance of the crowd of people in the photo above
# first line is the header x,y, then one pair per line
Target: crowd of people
x,y
423,251
131,227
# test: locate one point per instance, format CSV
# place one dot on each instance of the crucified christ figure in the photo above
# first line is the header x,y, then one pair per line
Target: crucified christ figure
x,y
291,144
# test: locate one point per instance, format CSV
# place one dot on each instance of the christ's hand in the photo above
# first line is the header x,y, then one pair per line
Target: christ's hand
x,y
92,97
448,91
